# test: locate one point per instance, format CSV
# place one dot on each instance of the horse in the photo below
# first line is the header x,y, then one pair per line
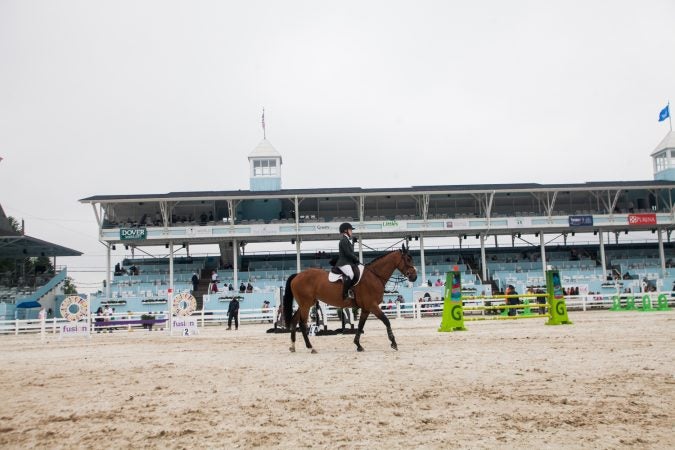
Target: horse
x,y
311,285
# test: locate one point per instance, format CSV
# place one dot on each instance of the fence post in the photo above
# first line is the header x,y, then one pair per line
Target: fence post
x,y
16,327
583,302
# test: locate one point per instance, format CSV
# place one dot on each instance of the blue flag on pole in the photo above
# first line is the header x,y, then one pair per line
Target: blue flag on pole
x,y
664,114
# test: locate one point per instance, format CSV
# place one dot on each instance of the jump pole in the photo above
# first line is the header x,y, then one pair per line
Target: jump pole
x,y
453,309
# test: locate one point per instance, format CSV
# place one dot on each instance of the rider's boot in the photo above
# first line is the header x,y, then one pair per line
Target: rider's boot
x,y
347,283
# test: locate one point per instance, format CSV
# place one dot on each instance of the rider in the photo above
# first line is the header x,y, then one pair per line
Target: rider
x,y
346,258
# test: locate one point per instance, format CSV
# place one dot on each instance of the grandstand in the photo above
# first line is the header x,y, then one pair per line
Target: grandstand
x,y
446,216
28,278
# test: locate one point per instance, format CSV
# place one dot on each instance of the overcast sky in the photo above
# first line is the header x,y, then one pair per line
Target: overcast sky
x,y
126,97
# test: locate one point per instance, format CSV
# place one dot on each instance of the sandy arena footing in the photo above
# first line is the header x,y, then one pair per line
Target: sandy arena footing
x,y
605,382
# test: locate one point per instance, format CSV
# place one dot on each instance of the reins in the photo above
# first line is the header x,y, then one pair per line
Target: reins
x,y
382,279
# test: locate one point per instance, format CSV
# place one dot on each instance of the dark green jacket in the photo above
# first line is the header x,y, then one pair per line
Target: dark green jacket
x,y
347,255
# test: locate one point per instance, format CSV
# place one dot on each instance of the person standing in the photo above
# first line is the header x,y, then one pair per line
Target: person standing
x,y
346,257
510,290
233,313
195,282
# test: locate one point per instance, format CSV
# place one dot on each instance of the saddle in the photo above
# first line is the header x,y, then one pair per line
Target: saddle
x,y
336,275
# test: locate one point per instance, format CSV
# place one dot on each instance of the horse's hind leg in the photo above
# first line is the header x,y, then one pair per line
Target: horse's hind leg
x,y
385,320
305,334
359,331
293,324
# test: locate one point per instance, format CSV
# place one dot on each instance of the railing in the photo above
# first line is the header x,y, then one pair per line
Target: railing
x,y
417,310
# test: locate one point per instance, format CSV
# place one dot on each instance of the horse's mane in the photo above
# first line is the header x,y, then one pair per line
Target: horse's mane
x,y
382,256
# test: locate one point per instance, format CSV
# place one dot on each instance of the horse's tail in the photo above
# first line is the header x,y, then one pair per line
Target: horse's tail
x,y
288,301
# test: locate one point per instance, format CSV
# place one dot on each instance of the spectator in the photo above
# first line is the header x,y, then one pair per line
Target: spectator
x,y
231,287
429,283
242,287
249,288
233,313
99,318
195,282
266,308
214,286
107,315
42,315
510,290
439,282
214,276
49,313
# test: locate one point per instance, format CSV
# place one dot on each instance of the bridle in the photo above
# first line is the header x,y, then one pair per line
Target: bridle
x,y
382,279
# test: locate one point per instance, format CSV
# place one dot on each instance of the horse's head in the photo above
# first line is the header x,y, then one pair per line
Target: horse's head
x,y
406,266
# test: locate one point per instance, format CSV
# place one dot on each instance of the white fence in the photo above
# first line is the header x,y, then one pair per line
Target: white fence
x,y
416,310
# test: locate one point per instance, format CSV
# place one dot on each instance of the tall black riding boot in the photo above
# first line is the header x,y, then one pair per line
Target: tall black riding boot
x,y
347,283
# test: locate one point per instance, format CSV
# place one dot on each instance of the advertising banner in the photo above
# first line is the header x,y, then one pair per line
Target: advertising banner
x,y
642,219
580,221
128,234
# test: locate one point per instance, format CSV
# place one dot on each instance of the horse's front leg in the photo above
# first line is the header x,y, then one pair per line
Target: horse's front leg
x,y
359,331
385,320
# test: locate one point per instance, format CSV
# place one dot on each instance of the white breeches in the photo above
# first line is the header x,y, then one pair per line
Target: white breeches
x,y
347,270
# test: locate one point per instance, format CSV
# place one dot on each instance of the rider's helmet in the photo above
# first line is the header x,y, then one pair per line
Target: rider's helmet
x,y
346,226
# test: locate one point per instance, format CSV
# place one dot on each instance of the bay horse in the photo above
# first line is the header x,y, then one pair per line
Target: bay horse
x,y
311,285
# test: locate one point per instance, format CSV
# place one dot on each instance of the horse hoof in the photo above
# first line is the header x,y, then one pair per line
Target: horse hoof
x,y
292,349
359,349
394,346
314,351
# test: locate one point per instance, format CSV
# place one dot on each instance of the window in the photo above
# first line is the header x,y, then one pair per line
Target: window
x,y
661,162
265,167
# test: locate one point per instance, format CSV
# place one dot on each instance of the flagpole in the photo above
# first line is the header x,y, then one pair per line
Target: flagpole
x,y
670,118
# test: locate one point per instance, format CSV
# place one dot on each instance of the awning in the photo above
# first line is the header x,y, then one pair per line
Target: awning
x,y
28,305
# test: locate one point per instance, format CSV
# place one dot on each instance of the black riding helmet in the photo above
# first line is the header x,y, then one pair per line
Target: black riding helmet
x,y
346,226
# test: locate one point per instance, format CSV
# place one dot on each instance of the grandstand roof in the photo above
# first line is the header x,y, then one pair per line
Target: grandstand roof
x,y
667,142
21,246
322,192
16,245
264,150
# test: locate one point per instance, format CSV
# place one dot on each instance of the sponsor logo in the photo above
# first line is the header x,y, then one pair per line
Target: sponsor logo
x,y
641,219
580,221
133,233
323,227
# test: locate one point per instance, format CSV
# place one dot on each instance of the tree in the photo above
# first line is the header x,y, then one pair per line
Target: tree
x,y
68,287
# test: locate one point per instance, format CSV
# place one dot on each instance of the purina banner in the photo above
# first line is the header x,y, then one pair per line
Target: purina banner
x,y
580,221
642,219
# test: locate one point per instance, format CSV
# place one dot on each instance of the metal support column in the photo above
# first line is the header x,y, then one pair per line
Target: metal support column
x,y
171,272
662,255
297,256
107,273
422,262
603,261
483,259
235,264
543,252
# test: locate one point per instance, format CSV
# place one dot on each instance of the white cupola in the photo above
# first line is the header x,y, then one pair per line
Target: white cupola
x,y
265,168
663,158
